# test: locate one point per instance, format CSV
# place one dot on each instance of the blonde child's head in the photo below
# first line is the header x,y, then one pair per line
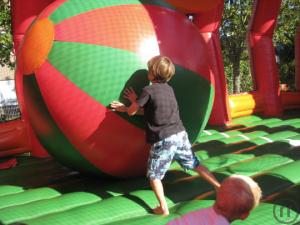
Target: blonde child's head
x,y
237,196
161,68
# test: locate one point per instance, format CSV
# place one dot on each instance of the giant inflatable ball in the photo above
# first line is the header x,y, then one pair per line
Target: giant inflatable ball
x,y
78,56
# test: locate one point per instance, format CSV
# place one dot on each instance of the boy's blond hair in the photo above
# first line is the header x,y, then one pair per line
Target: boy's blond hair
x,y
162,68
238,195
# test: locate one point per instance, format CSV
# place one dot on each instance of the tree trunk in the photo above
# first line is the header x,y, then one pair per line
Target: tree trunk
x,y
236,76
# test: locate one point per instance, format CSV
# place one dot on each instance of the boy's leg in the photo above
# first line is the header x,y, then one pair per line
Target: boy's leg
x,y
160,158
158,190
187,159
207,175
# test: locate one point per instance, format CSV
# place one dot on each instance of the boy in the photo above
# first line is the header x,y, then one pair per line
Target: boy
x,y
236,197
164,130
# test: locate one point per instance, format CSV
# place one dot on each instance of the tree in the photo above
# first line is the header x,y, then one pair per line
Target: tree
x,y
284,37
233,39
6,43
233,33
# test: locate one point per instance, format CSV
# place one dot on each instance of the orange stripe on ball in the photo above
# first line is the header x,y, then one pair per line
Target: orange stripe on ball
x,y
36,46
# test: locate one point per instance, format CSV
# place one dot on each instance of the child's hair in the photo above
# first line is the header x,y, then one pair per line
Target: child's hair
x,y
238,194
162,68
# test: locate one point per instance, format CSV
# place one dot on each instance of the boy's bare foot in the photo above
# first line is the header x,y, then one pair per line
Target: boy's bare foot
x,y
159,211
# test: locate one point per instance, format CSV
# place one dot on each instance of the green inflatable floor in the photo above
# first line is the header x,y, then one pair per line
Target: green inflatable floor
x,y
43,192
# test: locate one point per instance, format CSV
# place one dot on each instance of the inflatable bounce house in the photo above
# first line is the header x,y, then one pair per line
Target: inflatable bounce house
x,y
78,162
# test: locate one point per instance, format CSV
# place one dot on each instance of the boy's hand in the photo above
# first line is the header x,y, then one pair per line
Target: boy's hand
x,y
130,94
118,106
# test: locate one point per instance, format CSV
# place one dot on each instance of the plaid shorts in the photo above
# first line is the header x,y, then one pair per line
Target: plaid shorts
x,y
176,146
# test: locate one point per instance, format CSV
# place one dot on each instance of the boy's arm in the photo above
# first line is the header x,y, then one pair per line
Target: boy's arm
x,y
131,110
130,94
140,111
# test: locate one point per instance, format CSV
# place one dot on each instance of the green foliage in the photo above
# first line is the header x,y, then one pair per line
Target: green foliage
x,y
287,22
234,49
246,78
6,44
229,81
284,37
233,39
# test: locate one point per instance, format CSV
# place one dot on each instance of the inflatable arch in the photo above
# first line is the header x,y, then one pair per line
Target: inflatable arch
x,y
266,99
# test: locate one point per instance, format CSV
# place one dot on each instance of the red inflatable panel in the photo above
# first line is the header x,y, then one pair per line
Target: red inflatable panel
x,y
13,138
23,13
263,64
194,6
290,99
208,23
264,17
